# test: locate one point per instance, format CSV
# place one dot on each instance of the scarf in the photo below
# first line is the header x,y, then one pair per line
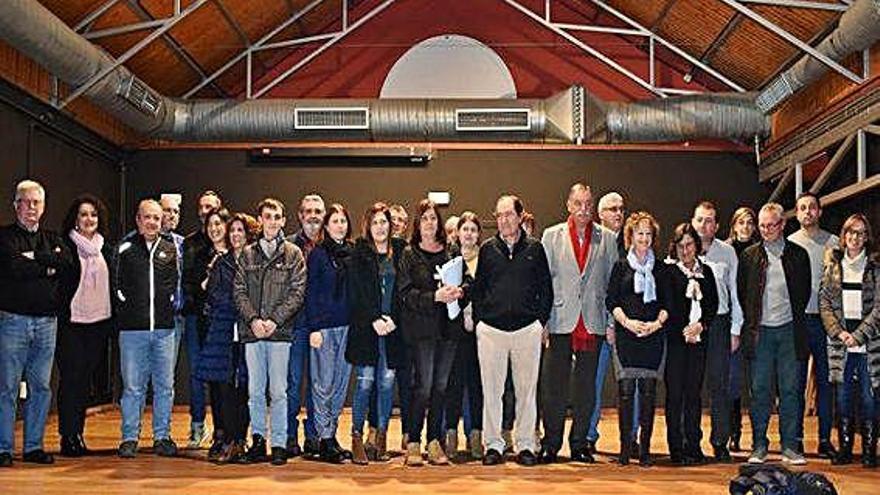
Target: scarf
x,y
581,338
693,291
91,301
338,252
643,281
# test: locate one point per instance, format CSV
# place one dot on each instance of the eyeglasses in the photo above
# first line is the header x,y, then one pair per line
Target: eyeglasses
x,y
768,226
857,233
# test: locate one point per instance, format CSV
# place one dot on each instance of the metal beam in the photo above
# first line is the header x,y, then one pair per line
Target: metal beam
x,y
873,129
94,15
623,17
332,41
602,29
127,28
296,41
770,26
800,4
244,53
794,57
832,164
783,183
585,47
132,52
861,155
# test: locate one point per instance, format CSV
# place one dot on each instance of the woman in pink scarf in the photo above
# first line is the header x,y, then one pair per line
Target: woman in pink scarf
x,y
85,320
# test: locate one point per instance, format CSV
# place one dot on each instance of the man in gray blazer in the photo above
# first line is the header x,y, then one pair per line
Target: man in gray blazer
x,y
581,255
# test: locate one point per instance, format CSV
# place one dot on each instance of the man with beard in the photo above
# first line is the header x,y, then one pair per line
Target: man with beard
x,y
311,216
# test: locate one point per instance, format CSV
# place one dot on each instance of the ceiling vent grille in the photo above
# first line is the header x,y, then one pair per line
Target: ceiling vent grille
x,y
326,118
140,96
492,119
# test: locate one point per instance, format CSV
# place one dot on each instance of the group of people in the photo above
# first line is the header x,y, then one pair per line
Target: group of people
x,y
273,322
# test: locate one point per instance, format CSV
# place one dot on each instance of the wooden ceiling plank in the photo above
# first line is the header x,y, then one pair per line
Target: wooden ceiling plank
x,y
832,164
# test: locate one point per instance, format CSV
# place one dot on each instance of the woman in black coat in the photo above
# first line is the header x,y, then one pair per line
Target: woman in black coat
x,y
692,301
430,337
85,320
374,346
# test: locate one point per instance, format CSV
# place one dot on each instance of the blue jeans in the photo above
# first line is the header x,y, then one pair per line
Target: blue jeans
x,y
297,378
819,351
330,373
775,356
367,377
196,387
27,345
856,385
267,364
146,356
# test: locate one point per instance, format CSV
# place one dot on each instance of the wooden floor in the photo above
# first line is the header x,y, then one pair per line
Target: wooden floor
x,y
104,473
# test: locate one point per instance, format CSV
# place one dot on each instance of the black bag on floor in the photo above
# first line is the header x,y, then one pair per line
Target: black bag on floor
x,y
777,480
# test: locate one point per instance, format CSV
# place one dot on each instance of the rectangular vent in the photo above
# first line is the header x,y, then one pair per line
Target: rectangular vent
x,y
351,118
140,96
492,119
774,94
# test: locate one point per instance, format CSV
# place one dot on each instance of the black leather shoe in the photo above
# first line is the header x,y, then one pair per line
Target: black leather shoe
x,y
70,447
493,458
676,458
5,459
590,446
548,457
257,452
329,452
38,456
311,449
722,455
827,450
583,455
279,456
526,458
346,454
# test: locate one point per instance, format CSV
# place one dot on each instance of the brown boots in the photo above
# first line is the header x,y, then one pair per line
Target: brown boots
x,y
358,453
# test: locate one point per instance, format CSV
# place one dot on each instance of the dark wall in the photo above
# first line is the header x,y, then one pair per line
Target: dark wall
x,y
29,149
667,184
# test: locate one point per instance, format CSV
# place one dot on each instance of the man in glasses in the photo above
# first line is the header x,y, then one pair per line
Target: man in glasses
x,y
816,241
773,281
311,219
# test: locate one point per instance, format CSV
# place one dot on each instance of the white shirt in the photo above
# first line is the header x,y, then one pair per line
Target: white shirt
x,y
777,304
721,258
853,273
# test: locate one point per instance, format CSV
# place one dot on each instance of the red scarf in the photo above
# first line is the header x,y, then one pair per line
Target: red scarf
x,y
581,338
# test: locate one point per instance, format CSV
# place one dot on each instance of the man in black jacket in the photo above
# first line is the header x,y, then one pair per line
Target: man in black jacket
x,y
773,282
512,296
31,259
145,284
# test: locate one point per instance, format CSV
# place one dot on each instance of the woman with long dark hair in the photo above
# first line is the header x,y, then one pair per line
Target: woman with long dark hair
x,y
430,337
327,319
85,320
850,308
374,346
221,358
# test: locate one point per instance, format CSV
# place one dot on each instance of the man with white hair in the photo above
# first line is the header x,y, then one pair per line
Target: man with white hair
x,y
311,219
31,259
773,282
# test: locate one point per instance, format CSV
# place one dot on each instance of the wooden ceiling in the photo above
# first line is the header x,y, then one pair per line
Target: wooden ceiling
x,y
729,42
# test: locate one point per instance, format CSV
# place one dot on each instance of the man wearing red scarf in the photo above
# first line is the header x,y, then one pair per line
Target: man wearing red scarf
x,y
580,255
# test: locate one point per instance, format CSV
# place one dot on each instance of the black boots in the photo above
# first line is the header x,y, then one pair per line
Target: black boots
x,y
330,451
735,425
73,446
869,443
626,396
646,421
845,429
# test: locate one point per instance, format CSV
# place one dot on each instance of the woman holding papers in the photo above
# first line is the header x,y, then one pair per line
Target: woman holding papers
x,y
465,374
430,336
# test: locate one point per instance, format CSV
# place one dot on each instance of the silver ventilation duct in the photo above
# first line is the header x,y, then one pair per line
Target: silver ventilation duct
x,y
858,29
570,116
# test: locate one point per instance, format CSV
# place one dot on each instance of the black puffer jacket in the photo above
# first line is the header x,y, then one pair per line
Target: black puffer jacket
x,y
145,283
